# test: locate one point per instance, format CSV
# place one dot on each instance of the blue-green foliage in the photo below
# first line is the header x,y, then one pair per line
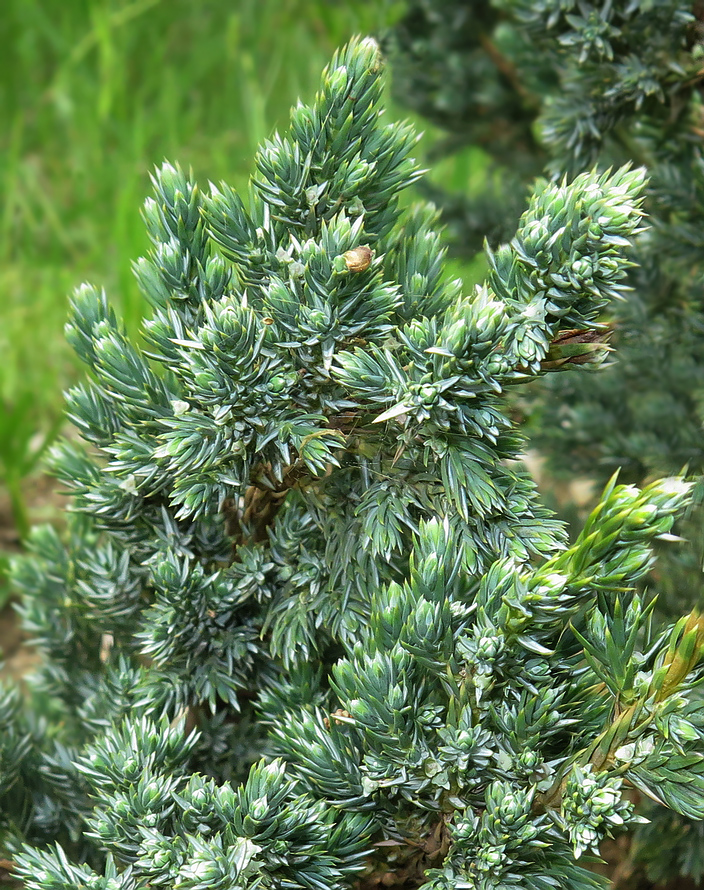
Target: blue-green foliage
x,y
309,621
560,87
525,87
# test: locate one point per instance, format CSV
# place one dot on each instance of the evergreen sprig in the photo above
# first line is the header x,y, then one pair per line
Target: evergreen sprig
x,y
309,625
536,86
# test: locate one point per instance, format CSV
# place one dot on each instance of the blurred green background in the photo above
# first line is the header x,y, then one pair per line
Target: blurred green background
x,y
94,94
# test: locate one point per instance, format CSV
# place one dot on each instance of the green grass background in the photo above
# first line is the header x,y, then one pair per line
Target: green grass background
x,y
94,94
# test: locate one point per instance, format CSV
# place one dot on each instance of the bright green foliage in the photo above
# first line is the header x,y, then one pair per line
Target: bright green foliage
x,y
309,625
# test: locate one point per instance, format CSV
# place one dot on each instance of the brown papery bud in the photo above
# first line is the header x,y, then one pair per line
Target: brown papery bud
x,y
359,258
576,347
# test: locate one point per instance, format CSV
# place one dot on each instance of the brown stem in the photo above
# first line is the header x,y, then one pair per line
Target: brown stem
x,y
262,501
408,871
509,71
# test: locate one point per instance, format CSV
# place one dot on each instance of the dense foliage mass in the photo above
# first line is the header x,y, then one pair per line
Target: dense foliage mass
x,y
561,87
309,625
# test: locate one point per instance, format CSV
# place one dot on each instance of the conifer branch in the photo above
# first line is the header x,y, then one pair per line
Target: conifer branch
x,y
347,643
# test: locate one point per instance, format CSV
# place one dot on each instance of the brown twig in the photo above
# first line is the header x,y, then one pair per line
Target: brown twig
x,y
509,70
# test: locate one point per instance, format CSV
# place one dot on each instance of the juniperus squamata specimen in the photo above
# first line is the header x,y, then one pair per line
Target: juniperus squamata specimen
x,y
309,626
560,86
